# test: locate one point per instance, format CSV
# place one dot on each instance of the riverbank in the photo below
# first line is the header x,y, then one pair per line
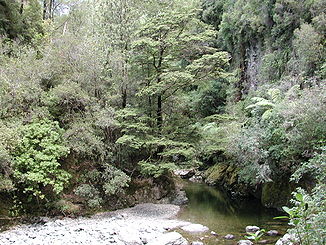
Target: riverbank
x,y
152,224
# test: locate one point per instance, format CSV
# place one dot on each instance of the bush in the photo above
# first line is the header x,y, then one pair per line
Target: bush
x,y
308,215
99,184
37,157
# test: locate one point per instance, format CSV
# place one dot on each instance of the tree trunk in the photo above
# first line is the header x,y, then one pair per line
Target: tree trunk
x,y
159,119
124,98
159,113
21,7
44,9
51,9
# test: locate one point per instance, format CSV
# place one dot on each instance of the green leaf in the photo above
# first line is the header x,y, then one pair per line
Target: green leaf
x,y
287,210
299,197
281,217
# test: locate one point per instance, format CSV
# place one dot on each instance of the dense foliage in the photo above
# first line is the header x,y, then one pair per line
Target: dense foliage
x,y
112,90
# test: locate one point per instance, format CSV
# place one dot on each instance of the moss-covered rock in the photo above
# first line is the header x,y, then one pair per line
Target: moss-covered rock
x,y
225,176
276,194
215,174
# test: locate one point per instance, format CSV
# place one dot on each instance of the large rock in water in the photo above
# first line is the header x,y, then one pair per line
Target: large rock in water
x,y
252,228
171,238
272,233
229,237
195,228
244,242
180,198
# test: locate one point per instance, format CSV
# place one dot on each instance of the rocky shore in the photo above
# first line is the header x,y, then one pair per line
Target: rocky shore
x,y
152,224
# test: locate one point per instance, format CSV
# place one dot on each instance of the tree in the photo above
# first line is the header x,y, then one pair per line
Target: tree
x,y
116,25
173,53
308,49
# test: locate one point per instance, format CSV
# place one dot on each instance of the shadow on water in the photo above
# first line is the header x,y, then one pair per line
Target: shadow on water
x,y
215,209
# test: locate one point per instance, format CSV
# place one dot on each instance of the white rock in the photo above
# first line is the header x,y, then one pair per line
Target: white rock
x,y
272,233
195,228
130,237
229,237
252,228
171,238
244,242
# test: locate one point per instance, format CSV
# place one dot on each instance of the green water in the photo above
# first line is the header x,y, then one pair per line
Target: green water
x,y
213,208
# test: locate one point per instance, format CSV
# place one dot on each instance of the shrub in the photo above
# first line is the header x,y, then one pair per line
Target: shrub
x,y
36,159
99,184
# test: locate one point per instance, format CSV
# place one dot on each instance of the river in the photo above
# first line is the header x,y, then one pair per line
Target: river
x,y
214,208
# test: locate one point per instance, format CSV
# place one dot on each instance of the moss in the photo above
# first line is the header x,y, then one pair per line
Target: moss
x,y
276,194
215,174
232,175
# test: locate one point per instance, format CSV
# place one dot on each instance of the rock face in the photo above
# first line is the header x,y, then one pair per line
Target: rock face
x,y
142,224
195,228
244,242
252,228
180,198
226,176
145,190
276,194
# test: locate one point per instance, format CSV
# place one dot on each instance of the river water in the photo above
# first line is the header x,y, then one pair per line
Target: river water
x,y
215,209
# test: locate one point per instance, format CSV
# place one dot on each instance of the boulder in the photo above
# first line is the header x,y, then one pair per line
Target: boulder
x,y
252,228
171,238
272,233
244,242
180,198
229,237
195,228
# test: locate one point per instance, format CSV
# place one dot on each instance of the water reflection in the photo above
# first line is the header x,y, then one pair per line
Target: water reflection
x,y
213,208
